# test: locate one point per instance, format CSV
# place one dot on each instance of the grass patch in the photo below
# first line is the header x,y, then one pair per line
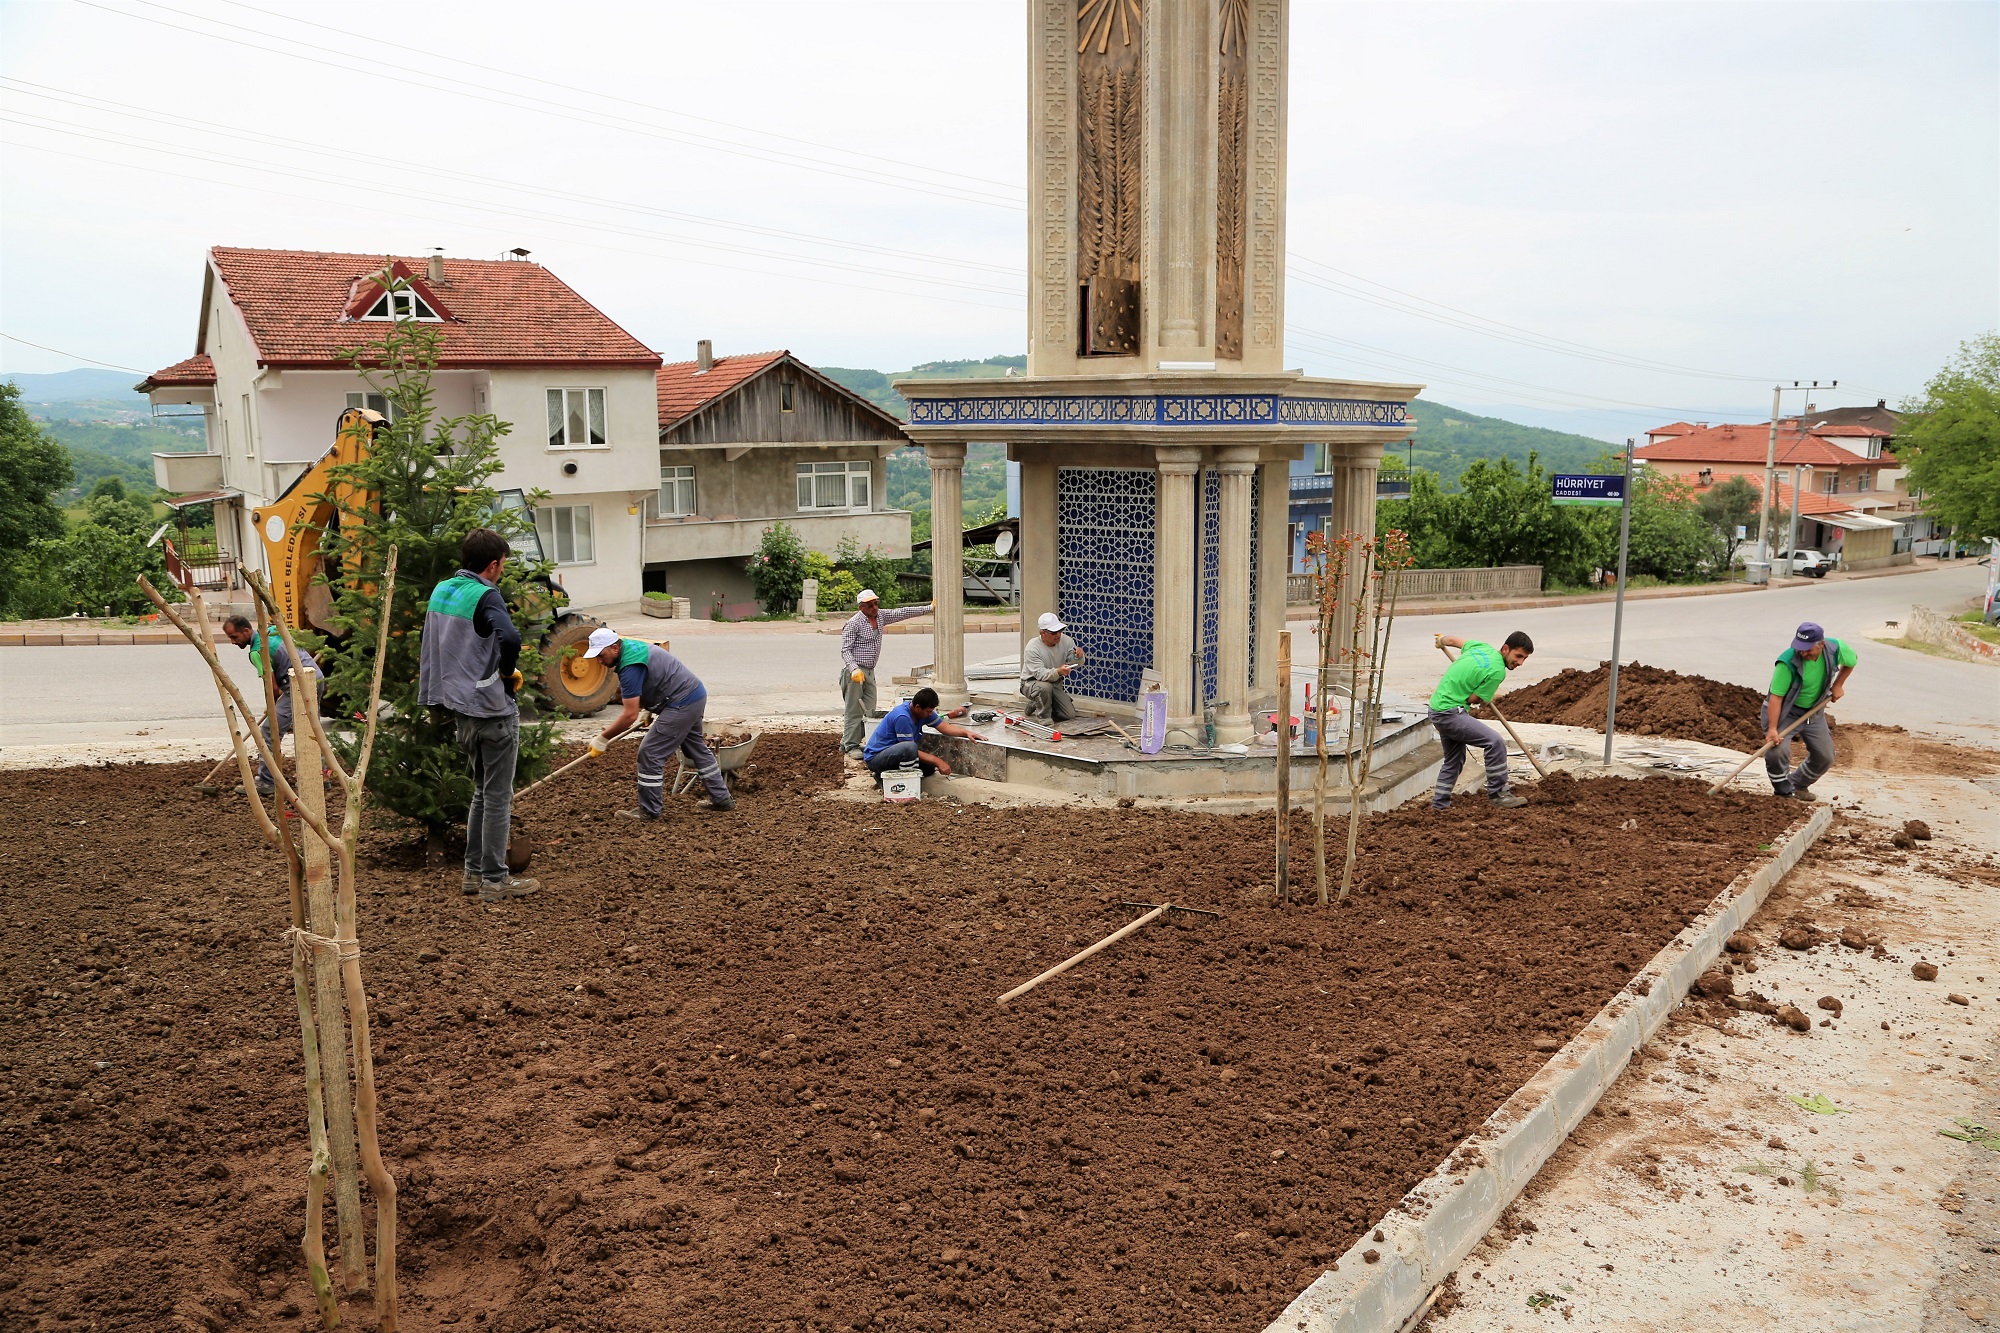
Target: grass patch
x,y
1928,649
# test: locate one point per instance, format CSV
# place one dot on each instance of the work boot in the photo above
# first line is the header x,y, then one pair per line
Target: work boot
x,y
263,789
507,888
639,815
1802,794
1440,805
716,807
854,754
1507,800
470,885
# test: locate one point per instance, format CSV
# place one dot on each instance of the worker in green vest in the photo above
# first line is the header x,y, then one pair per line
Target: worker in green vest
x,y
1813,668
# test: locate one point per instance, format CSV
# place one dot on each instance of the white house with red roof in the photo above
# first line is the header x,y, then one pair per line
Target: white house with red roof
x,y
272,376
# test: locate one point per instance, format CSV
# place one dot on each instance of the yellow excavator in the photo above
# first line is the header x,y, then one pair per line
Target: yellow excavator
x,y
290,528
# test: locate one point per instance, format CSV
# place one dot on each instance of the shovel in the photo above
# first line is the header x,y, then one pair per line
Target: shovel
x,y
1504,722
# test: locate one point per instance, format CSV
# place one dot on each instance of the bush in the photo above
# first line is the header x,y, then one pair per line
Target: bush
x,y
870,570
778,570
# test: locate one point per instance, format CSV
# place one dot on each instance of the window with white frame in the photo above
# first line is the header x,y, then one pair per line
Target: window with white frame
x,y
1832,483
373,402
565,533
576,418
676,490
1866,483
249,429
405,304
834,485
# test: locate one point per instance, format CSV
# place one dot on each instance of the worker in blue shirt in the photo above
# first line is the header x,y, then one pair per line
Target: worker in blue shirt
x,y
895,740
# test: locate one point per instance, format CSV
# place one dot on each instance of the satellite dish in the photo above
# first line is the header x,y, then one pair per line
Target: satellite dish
x,y
1004,543
155,539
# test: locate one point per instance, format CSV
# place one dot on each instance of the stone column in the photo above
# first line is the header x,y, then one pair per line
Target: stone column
x,y
1174,580
1353,511
1238,466
1274,561
1185,162
1038,543
948,569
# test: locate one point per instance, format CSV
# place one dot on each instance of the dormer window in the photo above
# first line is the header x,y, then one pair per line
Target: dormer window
x,y
402,305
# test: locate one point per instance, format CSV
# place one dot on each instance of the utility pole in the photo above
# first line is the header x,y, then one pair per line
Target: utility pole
x,y
1771,470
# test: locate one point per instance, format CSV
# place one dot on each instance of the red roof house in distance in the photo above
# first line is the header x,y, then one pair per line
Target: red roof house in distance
x,y
273,370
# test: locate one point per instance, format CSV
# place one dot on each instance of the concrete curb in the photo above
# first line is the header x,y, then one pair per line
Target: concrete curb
x,y
1437,1224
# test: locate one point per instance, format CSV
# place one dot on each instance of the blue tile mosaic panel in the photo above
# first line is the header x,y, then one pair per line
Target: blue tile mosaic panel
x,y
1208,581
1167,409
1104,575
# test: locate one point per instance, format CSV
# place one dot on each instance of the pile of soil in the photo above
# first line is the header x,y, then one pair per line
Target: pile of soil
x,y
746,1071
1652,701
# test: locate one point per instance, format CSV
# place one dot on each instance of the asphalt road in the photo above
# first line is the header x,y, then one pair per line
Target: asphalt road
x,y
57,699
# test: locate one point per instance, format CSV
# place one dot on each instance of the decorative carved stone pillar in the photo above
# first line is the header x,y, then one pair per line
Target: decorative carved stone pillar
x,y
1173,581
1238,466
1038,544
948,569
1186,171
1353,511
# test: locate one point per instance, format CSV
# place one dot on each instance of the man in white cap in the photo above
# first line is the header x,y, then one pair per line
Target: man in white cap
x,y
651,676
860,650
1046,664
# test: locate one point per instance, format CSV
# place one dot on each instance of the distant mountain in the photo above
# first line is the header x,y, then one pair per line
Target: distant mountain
x,y
874,384
70,386
1447,440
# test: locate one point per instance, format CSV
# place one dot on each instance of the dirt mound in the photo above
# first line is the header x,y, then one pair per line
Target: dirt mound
x,y
746,1071
1652,701
1880,749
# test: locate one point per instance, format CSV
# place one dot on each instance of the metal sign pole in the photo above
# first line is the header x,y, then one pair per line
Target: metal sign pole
x,y
1618,615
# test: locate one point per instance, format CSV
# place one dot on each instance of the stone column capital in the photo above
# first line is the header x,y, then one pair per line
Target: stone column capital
x,y
1237,460
1177,460
951,455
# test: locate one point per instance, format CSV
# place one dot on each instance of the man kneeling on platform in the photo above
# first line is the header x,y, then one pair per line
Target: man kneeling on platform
x,y
895,740
1045,666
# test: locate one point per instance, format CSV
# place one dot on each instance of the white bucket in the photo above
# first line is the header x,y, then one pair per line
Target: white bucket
x,y
903,784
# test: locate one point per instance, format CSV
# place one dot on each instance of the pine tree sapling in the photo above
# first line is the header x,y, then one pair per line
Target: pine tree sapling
x,y
425,483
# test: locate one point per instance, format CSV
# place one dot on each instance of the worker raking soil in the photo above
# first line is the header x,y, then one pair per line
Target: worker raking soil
x,y
1477,675
652,677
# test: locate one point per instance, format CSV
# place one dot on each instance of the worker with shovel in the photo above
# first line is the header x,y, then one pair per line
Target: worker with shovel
x,y
651,677
465,665
1046,664
274,655
1797,687
860,650
1479,672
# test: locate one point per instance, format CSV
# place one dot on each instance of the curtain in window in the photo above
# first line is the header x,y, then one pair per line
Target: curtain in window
x,y
555,418
596,416
565,533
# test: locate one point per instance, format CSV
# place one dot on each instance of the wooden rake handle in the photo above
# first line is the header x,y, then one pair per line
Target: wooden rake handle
x,y
1758,753
1072,961
1504,722
579,760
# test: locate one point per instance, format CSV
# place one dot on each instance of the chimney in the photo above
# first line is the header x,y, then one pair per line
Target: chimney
x,y
704,356
435,272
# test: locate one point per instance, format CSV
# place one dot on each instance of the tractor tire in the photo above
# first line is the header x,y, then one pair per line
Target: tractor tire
x,y
576,686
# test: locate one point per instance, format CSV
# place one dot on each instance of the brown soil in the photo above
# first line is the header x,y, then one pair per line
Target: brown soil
x,y
746,1072
1879,749
1652,701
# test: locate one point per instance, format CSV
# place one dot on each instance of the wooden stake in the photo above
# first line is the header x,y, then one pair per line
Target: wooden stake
x,y
1284,766
1068,963
1504,722
1758,753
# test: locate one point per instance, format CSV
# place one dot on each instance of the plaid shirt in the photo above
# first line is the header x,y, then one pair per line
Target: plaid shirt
x,y
861,641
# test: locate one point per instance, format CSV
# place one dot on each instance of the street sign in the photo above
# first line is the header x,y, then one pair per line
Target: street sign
x,y
1572,488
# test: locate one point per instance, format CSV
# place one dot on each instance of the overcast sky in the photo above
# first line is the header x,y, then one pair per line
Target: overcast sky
x,y
1746,191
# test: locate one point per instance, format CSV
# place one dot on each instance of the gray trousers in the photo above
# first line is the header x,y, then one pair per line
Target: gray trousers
x,y
857,699
1048,700
1456,731
1818,737
492,744
275,728
677,729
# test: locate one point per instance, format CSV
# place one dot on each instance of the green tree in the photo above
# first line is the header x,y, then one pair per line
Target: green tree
x,y
427,481
1951,440
1670,539
1729,505
93,570
778,570
33,468
109,506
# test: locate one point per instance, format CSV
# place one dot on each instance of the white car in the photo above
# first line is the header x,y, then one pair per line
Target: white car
x,y
1805,562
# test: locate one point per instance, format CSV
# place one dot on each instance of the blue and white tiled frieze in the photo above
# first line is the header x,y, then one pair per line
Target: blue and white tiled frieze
x,y
1166,409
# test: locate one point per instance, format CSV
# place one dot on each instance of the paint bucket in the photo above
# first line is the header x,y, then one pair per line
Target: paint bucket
x,y
903,785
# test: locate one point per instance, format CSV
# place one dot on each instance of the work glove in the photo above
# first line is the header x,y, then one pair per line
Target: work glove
x,y
1437,640
516,683
857,675
598,745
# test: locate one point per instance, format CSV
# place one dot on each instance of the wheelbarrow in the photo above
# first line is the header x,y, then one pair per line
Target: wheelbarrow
x,y
729,758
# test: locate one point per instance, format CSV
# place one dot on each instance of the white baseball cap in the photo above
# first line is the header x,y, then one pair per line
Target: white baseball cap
x,y
1050,623
866,595
600,638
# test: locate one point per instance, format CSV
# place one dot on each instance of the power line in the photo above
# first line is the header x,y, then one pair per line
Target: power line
x,y
513,100
74,356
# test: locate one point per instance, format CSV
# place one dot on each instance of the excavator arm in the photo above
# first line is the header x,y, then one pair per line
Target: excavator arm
x,y
290,526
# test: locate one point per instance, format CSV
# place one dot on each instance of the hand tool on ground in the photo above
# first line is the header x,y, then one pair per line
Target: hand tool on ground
x,y
1130,744
1758,753
1033,728
1159,910
1503,721
207,785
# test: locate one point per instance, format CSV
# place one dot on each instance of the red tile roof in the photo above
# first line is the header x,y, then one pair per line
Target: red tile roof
x,y
504,312
684,389
196,371
1855,430
1812,502
1746,444
1675,428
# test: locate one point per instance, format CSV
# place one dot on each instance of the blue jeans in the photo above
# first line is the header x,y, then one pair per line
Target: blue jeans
x,y
1457,730
492,744
895,756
